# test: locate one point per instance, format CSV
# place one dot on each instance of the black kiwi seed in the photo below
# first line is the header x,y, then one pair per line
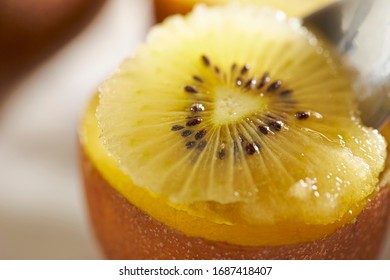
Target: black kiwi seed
x,y
233,67
206,60
202,144
251,149
264,80
192,117
222,154
200,134
250,83
286,92
194,121
274,86
196,78
186,133
276,125
190,89
190,144
177,127
238,82
217,70
264,129
302,115
197,107
244,69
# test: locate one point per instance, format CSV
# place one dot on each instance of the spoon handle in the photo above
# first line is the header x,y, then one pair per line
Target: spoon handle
x,y
360,30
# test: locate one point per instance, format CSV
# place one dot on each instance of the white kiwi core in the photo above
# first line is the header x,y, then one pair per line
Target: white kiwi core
x,y
232,105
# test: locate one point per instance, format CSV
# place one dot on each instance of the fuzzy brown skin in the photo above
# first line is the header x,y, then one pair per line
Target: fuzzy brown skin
x,y
125,232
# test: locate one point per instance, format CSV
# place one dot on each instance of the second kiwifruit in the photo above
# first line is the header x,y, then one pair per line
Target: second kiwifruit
x,y
32,30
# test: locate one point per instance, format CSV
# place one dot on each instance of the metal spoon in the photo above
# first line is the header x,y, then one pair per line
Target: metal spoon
x,y
360,29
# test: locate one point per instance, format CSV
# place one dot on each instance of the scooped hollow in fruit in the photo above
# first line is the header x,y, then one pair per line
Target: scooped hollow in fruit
x,y
245,110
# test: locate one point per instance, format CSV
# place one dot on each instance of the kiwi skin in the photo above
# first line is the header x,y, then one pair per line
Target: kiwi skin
x,y
125,232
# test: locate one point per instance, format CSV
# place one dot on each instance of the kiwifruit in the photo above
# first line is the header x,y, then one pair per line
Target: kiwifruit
x,y
247,111
238,126
296,8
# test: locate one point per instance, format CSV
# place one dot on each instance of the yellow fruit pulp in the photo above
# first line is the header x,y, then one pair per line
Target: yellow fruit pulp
x,y
184,218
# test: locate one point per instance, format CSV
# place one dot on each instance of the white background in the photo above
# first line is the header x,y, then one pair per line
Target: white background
x,y
42,209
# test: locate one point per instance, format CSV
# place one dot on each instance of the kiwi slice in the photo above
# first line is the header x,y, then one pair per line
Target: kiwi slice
x,y
244,109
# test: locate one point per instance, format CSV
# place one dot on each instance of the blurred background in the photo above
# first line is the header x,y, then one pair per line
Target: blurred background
x,y
45,82
42,209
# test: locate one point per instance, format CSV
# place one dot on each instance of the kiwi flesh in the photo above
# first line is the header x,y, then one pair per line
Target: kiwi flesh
x,y
243,112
